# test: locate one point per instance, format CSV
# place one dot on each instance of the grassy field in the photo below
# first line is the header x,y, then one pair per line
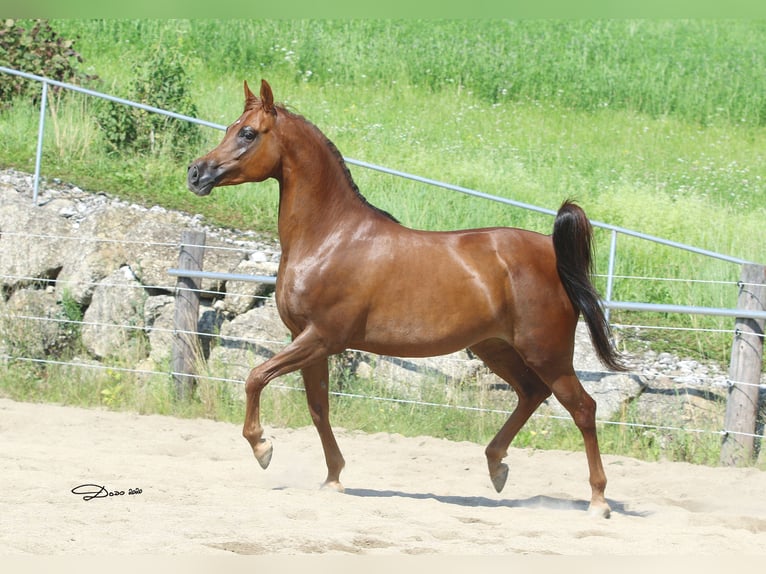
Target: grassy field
x,y
658,126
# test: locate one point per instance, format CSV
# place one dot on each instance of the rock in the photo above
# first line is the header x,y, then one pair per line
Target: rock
x,y
585,358
23,261
666,401
241,296
248,340
209,326
112,322
409,377
159,318
32,325
116,236
612,393
159,314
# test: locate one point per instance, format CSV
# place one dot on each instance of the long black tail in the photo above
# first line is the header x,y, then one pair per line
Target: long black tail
x,y
572,235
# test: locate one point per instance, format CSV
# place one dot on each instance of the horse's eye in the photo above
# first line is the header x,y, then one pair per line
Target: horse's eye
x,y
248,133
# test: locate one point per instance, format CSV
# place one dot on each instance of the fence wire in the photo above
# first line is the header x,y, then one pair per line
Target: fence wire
x,y
397,400
45,82
261,341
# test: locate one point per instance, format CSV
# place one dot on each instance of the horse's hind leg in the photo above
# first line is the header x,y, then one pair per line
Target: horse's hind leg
x,y
570,393
506,363
315,380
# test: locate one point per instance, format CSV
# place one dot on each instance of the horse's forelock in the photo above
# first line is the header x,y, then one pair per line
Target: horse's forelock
x,y
252,103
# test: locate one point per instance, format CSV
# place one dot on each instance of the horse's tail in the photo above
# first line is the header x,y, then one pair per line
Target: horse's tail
x,y
572,235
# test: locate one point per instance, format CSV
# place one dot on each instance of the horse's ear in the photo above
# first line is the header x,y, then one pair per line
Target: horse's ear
x,y
250,99
267,98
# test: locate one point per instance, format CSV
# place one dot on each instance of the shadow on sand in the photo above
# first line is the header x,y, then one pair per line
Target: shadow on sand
x,y
547,502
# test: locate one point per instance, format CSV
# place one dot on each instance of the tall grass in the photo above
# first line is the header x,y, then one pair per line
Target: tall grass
x,y
699,71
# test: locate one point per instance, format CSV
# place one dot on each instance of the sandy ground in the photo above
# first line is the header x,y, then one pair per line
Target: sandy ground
x,y
198,490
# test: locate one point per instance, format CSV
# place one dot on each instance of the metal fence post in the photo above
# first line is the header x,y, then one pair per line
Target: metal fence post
x,y
40,134
610,272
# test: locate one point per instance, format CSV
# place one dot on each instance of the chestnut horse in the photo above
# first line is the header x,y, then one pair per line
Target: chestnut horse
x,y
351,276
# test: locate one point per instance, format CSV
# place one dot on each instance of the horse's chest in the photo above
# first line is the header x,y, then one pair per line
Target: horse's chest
x,y
310,293
294,298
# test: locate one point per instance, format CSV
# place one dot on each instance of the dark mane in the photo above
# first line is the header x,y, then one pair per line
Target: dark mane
x,y
331,146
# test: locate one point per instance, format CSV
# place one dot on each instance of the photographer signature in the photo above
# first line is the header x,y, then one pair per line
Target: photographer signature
x,y
91,491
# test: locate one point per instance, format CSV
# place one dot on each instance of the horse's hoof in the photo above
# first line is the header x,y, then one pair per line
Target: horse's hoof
x,y
600,510
499,477
263,451
333,485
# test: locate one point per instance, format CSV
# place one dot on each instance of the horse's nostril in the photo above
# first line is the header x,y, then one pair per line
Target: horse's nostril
x,y
193,173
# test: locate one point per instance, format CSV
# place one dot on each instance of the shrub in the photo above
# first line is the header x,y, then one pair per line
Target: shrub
x,y
37,50
160,81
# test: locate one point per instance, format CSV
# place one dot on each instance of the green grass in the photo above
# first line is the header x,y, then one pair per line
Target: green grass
x,y
700,71
658,126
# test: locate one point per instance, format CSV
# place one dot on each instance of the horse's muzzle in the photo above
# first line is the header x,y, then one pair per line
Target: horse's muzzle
x,y
198,180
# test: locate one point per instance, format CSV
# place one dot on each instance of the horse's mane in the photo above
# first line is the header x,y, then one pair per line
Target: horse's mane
x,y
339,157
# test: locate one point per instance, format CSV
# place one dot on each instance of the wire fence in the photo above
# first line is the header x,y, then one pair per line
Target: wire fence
x,y
716,383
212,295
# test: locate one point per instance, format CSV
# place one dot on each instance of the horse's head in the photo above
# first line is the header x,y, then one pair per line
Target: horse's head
x,y
248,151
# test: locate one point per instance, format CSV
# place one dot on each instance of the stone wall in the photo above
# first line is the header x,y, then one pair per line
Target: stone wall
x,y
108,260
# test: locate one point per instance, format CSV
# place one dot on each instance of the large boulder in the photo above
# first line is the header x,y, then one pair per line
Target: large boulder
x,y
146,240
248,340
114,321
241,296
26,260
34,325
159,312
407,376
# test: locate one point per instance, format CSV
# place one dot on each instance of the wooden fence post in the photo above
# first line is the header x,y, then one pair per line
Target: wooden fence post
x,y
745,370
186,347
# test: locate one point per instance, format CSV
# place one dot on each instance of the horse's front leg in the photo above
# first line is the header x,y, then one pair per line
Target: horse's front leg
x,y
304,350
316,382
252,429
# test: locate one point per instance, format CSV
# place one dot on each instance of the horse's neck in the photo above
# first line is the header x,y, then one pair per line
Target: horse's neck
x,y
316,196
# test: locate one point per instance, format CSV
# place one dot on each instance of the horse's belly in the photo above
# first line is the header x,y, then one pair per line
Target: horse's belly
x,y
416,328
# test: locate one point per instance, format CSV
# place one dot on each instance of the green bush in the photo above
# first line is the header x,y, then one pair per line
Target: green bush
x,y
34,47
159,81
